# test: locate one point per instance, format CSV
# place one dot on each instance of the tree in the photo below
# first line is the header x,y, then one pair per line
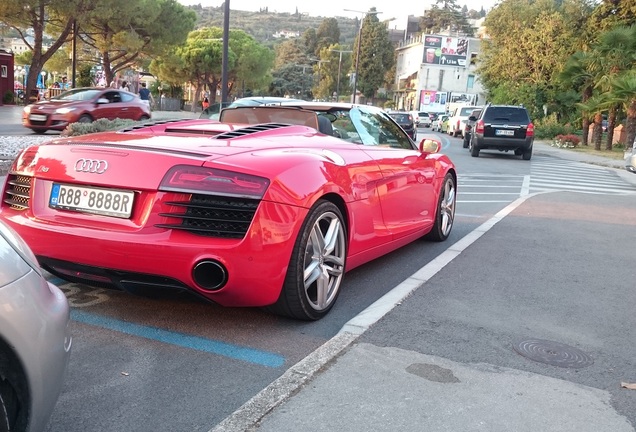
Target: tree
x,y
199,62
310,40
612,57
335,62
328,34
376,54
448,17
292,80
51,17
577,75
529,42
124,31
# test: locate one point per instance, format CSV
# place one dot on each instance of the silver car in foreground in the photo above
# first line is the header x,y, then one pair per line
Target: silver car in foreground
x,y
35,340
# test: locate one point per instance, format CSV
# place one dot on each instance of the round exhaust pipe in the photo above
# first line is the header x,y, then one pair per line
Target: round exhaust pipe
x,y
210,275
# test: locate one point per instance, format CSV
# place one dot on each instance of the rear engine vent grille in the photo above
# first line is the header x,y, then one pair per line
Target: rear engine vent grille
x,y
250,130
191,131
214,216
149,123
18,192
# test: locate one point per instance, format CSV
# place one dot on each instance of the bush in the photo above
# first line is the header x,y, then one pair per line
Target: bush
x,y
101,125
567,141
548,128
8,97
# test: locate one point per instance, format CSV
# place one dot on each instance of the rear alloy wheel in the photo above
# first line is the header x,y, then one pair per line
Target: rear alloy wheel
x,y
85,118
317,265
445,214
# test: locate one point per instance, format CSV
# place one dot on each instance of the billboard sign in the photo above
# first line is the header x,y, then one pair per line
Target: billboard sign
x,y
445,50
432,101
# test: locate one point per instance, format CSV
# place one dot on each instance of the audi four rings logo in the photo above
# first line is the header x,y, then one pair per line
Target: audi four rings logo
x,y
93,166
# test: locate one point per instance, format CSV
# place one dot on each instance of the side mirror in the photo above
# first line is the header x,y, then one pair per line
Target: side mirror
x,y
428,145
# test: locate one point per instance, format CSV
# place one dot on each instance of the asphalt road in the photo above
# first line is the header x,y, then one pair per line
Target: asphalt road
x,y
175,363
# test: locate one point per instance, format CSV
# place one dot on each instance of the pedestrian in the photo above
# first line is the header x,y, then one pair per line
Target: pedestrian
x,y
146,95
124,86
205,104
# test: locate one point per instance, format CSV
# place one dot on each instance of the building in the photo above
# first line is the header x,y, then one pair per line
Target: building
x,y
6,74
435,70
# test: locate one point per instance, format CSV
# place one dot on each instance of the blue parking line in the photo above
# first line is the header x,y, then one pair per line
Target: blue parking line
x,y
250,355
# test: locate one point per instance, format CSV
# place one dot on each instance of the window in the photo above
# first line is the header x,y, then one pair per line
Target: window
x,y
471,81
4,71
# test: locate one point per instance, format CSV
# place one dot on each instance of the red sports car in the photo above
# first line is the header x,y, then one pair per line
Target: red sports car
x,y
267,207
84,105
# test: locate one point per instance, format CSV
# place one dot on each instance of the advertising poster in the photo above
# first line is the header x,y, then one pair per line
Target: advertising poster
x,y
432,101
445,50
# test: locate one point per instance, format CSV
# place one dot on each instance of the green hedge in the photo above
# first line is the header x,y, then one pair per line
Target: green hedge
x,y
101,125
548,128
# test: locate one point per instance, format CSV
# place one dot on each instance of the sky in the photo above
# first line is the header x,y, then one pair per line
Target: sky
x,y
398,9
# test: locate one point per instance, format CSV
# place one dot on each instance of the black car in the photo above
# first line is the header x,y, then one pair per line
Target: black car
x,y
405,120
503,128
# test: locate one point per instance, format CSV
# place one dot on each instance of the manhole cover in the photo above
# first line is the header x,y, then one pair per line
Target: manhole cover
x,y
553,353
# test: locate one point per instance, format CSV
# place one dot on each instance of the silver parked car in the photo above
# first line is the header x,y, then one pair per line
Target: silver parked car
x,y
35,341
631,160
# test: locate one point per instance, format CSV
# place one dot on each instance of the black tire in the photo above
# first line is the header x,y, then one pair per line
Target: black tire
x,y
39,131
85,118
527,154
144,118
445,212
8,407
466,142
320,251
4,418
474,150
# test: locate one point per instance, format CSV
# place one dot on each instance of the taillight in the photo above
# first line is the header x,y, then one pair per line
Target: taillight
x,y
530,130
189,179
457,128
479,126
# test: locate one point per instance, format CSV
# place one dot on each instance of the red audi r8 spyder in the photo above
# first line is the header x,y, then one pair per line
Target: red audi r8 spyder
x,y
267,207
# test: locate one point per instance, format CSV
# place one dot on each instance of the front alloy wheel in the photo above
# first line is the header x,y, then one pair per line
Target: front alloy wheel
x,y
445,215
317,265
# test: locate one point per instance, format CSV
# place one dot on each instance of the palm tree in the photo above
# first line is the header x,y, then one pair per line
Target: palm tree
x,y
576,74
622,94
615,52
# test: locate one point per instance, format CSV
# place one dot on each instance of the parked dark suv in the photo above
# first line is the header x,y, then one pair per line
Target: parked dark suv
x,y
503,128
405,120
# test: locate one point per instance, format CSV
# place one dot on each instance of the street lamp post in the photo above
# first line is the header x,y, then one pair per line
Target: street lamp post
x,y
226,40
339,66
355,77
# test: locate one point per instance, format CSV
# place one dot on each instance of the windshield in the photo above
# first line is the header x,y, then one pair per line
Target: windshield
x,y
78,95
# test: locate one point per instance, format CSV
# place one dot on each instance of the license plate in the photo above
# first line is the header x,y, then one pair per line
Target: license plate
x,y
504,132
107,202
37,117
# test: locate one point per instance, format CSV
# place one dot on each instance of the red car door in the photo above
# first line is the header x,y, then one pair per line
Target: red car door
x,y
407,194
